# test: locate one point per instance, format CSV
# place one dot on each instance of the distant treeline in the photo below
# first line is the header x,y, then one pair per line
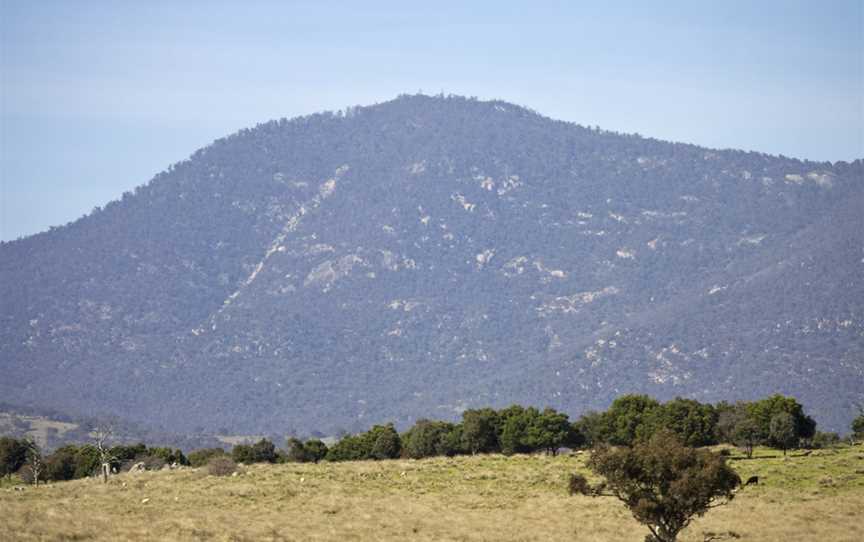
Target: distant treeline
x,y
775,421
79,461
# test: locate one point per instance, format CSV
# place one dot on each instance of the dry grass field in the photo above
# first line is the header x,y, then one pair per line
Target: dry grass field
x,y
483,498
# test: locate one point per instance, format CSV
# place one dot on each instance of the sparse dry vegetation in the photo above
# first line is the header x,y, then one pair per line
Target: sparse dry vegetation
x,y
221,466
468,498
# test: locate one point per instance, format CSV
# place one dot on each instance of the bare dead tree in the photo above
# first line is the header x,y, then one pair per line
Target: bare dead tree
x,y
34,459
102,434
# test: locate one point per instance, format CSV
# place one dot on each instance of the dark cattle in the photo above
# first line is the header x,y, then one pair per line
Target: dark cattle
x,y
752,480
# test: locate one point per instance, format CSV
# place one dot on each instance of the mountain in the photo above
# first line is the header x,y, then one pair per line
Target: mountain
x,y
428,254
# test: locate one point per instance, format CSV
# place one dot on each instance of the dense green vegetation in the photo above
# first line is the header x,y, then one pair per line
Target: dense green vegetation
x,y
775,421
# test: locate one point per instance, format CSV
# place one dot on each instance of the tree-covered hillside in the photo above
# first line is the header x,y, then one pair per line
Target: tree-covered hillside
x,y
429,254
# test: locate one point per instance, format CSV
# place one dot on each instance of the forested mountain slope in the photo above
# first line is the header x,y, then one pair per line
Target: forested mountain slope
x,y
429,254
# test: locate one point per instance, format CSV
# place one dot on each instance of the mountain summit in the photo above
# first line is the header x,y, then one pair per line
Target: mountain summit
x,y
430,254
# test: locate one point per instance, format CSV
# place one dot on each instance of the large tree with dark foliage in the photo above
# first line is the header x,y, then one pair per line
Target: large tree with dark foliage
x,y
631,417
61,465
315,450
480,430
428,438
13,455
693,422
549,430
764,411
380,442
263,451
664,483
387,444
781,431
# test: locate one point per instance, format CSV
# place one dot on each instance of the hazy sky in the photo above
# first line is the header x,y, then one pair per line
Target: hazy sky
x,y
97,97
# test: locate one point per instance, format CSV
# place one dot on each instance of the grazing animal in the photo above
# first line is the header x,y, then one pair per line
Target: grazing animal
x,y
754,480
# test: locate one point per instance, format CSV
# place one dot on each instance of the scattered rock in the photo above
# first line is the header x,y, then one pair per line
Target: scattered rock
x,y
145,501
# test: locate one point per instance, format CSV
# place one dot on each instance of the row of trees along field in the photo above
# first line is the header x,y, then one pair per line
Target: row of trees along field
x,y
775,421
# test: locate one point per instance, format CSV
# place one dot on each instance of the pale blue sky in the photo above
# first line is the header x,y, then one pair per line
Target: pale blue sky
x,y
97,97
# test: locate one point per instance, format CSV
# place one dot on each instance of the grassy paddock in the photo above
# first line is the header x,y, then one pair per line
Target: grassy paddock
x,y
802,498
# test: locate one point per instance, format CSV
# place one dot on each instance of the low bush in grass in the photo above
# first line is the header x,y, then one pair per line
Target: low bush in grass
x,y
221,465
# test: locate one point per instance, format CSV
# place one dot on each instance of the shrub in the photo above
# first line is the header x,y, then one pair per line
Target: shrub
x,y
824,440
221,465
263,451
350,448
86,461
296,452
432,438
199,458
316,450
578,485
60,465
380,442
311,451
387,445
